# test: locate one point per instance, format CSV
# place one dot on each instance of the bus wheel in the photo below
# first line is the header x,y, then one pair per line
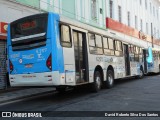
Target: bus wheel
x,y
141,73
96,85
110,79
61,89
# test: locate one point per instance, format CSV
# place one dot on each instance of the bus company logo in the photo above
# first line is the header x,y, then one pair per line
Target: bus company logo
x,y
6,114
20,60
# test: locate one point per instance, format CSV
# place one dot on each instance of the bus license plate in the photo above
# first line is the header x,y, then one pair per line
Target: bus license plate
x,y
28,65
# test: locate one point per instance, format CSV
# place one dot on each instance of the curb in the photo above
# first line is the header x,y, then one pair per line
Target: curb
x,y
26,97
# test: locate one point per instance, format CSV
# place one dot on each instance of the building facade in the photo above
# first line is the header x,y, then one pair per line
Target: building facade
x,y
135,21
137,16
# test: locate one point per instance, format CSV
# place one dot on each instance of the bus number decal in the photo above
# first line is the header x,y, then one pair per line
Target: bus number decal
x,y
40,53
109,60
31,56
99,59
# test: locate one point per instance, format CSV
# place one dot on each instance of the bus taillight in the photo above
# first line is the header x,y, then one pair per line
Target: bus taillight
x,y
49,62
10,66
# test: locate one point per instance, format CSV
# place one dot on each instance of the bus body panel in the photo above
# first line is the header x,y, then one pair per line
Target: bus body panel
x,y
35,79
30,65
30,61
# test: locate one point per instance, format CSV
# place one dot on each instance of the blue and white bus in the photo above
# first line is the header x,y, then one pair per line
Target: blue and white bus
x,y
153,60
49,50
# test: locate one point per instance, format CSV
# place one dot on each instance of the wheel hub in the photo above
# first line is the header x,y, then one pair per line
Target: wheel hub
x,y
98,82
110,79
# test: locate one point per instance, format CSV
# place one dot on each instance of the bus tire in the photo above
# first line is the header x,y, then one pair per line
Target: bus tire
x,y
61,89
110,79
141,73
96,85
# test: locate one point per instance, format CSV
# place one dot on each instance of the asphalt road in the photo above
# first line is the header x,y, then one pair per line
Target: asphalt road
x,y
127,95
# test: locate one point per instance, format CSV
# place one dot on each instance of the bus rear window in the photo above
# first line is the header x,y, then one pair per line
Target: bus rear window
x,y
28,26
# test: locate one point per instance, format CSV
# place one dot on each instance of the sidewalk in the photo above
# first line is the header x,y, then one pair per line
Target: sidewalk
x,y
16,93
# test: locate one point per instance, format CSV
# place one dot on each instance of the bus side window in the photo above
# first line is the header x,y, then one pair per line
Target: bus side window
x,y
106,47
111,46
92,44
131,53
136,54
98,39
65,36
140,55
118,48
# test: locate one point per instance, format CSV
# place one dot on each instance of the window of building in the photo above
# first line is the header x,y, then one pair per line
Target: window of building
x,y
140,2
119,14
157,14
141,23
147,28
153,10
154,32
128,17
136,24
146,4
150,8
111,8
94,9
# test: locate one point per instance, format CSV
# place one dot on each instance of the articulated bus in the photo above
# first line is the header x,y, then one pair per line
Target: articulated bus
x,y
153,60
49,50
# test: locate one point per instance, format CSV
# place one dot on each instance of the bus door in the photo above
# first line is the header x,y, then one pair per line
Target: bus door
x,y
145,54
127,60
81,58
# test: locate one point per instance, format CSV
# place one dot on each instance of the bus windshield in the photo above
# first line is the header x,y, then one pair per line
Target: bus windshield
x,y
28,26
